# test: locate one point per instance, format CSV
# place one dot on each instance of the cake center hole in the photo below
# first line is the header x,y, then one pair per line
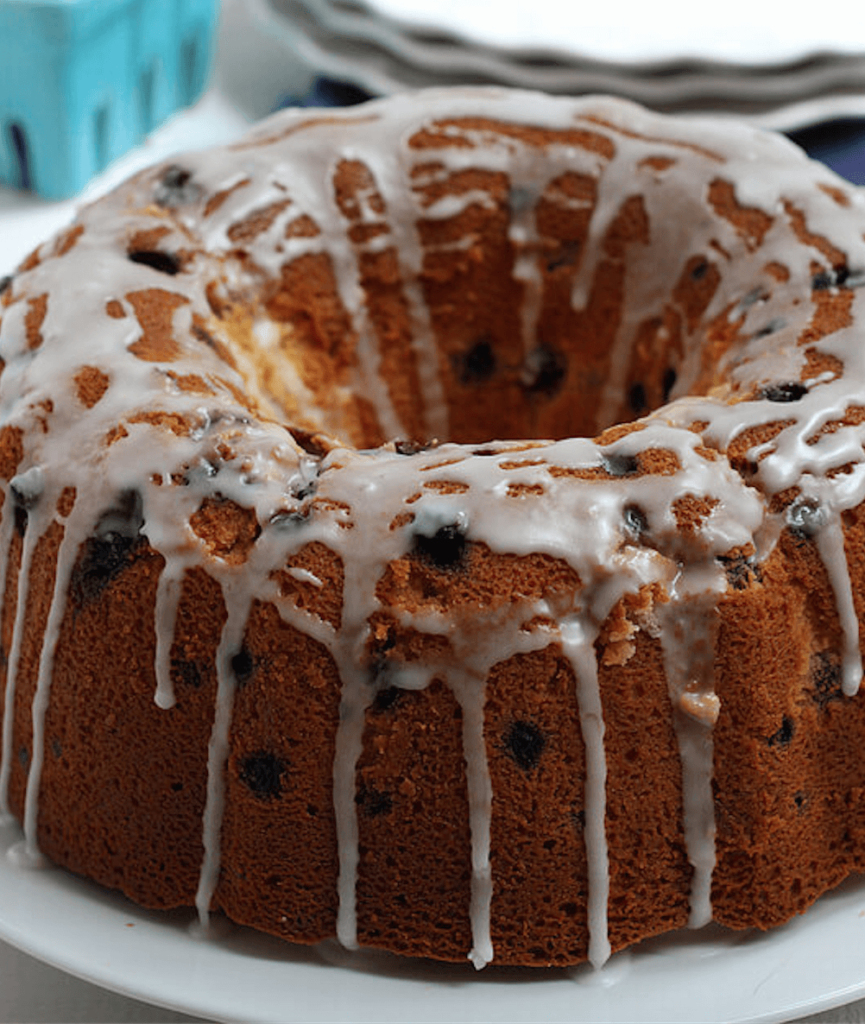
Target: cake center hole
x,y
489,389
492,358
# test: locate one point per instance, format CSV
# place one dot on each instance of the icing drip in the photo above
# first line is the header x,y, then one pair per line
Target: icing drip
x,y
372,381
349,744
30,540
523,234
75,532
688,640
408,245
7,524
167,599
830,543
578,644
469,691
238,599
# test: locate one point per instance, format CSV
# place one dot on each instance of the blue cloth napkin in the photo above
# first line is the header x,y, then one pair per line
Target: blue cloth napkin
x,y
840,144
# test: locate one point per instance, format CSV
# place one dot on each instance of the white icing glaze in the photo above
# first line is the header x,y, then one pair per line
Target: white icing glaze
x,y
830,543
578,641
12,668
288,164
469,691
688,640
75,533
238,602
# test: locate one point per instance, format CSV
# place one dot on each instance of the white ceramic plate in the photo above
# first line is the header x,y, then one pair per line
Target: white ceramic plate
x,y
348,41
814,963
745,31
558,52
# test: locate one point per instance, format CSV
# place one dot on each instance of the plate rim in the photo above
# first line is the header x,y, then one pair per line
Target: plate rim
x,y
223,979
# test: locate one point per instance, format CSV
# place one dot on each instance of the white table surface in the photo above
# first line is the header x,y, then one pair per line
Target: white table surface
x,y
251,76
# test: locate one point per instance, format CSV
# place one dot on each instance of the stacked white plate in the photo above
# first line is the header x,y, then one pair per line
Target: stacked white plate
x,y
745,57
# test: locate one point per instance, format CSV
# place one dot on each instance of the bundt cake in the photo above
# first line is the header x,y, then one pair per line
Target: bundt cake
x,y
440,524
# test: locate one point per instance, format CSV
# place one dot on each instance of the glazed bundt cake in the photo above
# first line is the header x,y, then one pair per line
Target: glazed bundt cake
x,y
440,524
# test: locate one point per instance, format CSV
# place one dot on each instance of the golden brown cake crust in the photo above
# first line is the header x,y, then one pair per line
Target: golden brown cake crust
x,y
439,525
